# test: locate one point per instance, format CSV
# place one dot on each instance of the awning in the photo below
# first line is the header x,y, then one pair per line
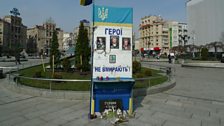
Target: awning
x,y
157,49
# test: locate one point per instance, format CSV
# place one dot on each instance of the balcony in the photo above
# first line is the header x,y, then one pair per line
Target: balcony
x,y
144,25
165,29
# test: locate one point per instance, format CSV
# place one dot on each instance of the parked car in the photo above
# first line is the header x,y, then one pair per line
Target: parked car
x,y
222,59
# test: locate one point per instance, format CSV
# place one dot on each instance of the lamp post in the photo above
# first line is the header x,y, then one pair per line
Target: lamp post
x,y
193,39
185,39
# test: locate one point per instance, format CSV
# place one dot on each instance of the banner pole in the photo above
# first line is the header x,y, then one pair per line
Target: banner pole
x,y
92,102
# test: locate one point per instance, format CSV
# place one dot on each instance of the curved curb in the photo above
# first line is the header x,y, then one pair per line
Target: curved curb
x,y
166,61
204,65
80,95
155,89
23,60
54,94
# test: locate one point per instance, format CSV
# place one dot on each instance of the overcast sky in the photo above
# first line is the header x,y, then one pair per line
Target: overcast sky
x,y
68,13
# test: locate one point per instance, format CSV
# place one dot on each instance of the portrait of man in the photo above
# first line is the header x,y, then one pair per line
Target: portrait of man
x,y
126,44
101,43
114,42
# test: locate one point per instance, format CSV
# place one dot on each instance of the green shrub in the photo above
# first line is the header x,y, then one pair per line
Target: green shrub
x,y
136,66
66,64
78,66
148,72
57,76
139,75
37,74
204,54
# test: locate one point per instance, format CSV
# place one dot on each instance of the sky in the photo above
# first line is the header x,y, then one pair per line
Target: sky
x,y
67,13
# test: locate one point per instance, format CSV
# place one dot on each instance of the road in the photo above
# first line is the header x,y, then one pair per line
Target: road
x,y
7,66
197,100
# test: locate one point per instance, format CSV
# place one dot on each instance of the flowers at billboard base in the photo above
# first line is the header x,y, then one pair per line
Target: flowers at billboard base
x,y
116,116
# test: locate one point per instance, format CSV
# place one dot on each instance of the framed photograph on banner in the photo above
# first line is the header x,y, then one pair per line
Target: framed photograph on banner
x,y
114,42
101,43
126,44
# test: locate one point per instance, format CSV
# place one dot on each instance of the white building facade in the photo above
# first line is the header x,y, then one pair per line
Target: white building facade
x,y
183,34
173,33
205,21
67,41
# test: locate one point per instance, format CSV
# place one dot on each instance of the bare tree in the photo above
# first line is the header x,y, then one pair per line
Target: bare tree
x,y
222,37
180,49
215,45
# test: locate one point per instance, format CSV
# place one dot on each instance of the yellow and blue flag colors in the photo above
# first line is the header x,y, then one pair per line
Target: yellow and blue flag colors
x,y
86,2
113,16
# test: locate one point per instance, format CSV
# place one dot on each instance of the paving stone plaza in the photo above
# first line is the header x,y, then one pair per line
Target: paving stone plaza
x,y
196,100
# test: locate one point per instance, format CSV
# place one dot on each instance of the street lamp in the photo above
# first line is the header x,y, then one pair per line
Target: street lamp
x,y
193,39
184,39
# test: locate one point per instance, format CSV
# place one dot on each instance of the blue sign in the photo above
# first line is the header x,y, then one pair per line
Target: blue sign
x,y
105,14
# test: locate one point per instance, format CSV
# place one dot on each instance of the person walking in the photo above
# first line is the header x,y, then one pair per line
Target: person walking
x,y
169,58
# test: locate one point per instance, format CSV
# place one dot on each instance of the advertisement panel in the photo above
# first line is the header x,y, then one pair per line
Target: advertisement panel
x,y
112,56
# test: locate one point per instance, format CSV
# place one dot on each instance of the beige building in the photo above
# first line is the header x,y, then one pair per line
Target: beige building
x,y
154,33
4,33
49,26
42,36
138,44
87,26
37,36
12,33
60,34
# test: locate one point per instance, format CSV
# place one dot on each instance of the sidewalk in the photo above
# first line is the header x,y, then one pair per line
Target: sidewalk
x,y
187,104
205,65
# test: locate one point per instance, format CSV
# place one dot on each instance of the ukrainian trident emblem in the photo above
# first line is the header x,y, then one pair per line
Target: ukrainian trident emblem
x,y
102,13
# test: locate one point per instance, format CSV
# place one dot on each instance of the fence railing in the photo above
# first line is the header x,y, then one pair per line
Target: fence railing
x,y
15,77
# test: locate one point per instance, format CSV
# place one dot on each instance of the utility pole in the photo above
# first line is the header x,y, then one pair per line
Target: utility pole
x,y
193,39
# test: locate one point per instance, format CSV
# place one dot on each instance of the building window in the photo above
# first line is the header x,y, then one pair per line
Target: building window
x,y
19,30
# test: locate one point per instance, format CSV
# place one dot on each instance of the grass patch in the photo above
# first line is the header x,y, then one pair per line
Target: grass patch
x,y
82,86
152,82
